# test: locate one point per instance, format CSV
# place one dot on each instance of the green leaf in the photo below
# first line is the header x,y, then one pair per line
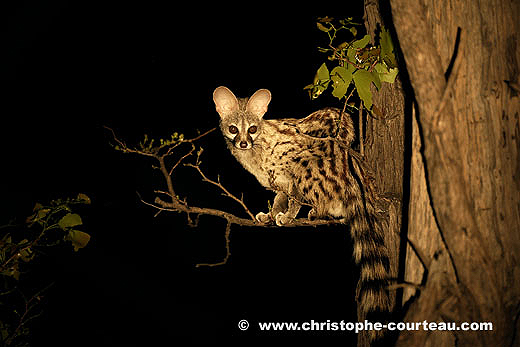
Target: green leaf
x,y
341,72
78,238
323,27
350,68
362,80
321,82
351,55
340,89
341,77
317,90
342,45
323,73
70,220
361,43
381,68
387,48
385,74
376,79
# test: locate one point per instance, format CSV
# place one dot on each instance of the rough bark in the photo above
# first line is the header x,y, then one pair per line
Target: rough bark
x,y
384,151
468,166
385,139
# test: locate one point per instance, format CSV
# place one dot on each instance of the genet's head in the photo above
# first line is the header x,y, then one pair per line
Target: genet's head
x,y
241,119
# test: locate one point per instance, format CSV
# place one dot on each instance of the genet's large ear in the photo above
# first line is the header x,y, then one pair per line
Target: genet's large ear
x,y
258,103
225,101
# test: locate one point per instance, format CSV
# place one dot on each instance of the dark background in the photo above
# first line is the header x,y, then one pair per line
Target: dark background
x,y
67,69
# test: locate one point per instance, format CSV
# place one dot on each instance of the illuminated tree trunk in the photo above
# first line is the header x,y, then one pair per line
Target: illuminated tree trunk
x,y
385,139
464,205
384,151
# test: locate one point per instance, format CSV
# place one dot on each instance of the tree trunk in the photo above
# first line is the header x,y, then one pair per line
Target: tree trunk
x,y
464,207
384,152
385,139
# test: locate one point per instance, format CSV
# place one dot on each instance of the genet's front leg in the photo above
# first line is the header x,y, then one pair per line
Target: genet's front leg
x,y
282,218
279,206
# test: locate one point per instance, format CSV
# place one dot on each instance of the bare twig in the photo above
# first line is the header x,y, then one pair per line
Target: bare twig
x,y
226,192
228,251
346,100
201,135
405,284
182,158
29,305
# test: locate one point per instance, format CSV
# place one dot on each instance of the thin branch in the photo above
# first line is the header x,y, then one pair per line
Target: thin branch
x,y
200,136
361,138
226,192
114,136
346,100
405,284
191,140
159,192
298,222
228,251
177,207
29,305
182,158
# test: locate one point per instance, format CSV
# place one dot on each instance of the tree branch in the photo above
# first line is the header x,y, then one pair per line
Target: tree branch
x,y
166,149
226,192
228,251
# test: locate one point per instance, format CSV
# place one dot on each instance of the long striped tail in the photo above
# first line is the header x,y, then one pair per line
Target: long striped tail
x,y
370,254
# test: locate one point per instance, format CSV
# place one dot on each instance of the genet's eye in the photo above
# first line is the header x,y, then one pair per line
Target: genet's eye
x,y
233,129
253,129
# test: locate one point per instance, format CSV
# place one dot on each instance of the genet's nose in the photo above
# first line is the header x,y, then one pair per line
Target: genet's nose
x,y
243,144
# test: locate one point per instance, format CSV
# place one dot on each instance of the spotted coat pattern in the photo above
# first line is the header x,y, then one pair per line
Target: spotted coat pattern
x,y
309,162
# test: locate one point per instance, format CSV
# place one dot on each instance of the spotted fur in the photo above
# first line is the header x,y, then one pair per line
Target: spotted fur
x,y
309,161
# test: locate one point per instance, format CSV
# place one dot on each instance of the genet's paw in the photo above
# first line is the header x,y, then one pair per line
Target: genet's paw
x,y
263,217
281,219
312,214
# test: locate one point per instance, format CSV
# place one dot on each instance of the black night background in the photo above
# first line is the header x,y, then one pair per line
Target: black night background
x,y
70,68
